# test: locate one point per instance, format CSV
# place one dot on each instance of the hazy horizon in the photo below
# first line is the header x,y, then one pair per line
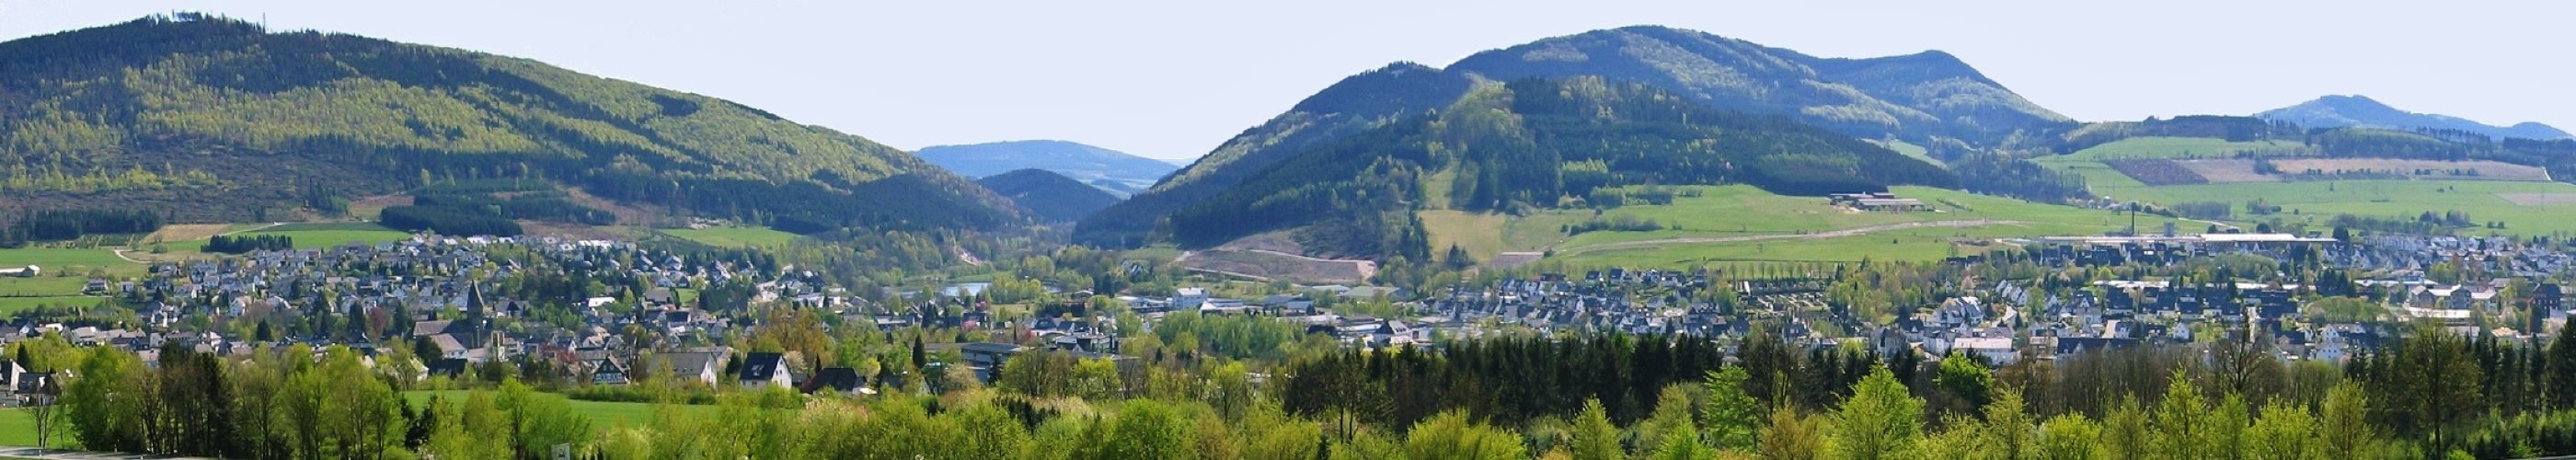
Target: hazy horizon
x,y
1171,81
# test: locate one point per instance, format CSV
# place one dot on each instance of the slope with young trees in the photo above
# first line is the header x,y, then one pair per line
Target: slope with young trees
x,y
211,119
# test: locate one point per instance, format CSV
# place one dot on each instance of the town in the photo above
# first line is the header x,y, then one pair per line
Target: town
x,y
600,312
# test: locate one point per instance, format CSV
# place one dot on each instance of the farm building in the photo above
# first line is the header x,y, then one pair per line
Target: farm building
x,y
1891,205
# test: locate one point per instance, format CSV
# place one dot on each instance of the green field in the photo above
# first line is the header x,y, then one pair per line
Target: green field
x,y
734,237
18,428
1743,223
2320,200
325,235
67,260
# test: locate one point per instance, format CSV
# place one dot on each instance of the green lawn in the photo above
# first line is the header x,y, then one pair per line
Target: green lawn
x,y
64,269
2321,200
738,237
18,428
329,234
601,414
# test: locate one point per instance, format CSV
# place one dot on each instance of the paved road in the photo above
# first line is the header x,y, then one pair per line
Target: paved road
x,y
18,452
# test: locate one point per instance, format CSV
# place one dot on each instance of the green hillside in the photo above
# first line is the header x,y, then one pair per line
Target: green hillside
x,y
211,119
1930,100
1532,145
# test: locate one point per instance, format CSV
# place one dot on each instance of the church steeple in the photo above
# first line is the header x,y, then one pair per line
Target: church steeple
x,y
474,307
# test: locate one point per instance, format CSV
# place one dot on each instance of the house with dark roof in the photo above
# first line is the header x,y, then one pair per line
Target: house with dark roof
x,y
610,371
765,369
837,379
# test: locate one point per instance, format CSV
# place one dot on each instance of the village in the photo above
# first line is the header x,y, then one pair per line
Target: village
x,y
453,308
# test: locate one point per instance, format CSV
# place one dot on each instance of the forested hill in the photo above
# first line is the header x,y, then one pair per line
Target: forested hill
x,y
206,118
1929,99
2364,112
1048,195
1524,144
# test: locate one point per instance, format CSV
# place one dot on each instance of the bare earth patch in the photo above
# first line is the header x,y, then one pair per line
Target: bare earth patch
x,y
2539,199
2227,171
1274,256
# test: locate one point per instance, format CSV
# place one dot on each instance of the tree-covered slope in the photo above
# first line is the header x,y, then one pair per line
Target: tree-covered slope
x,y
1929,99
2364,112
1074,160
1526,144
1048,195
215,119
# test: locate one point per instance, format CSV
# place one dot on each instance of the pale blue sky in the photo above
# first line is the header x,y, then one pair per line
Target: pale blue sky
x,y
1173,79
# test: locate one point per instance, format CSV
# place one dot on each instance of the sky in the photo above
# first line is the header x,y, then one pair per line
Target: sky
x,y
1174,79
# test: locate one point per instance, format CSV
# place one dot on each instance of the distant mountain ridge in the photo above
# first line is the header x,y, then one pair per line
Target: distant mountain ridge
x,y
213,119
1930,99
2338,111
1050,196
1080,162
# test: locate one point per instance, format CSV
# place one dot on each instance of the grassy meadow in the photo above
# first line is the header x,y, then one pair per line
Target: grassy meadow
x,y
1743,223
2319,201
736,237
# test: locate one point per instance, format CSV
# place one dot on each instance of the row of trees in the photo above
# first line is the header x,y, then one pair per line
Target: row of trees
x,y
64,224
230,244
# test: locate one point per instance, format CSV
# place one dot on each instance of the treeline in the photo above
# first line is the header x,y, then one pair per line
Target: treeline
x,y
227,244
1509,381
2231,128
446,221
295,403
1618,223
553,206
2018,178
65,224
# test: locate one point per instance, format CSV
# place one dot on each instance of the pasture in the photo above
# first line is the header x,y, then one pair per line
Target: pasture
x,y
2525,207
734,237
1743,223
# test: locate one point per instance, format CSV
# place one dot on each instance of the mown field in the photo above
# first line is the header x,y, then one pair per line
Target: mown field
x,y
18,428
739,237
1742,223
2319,201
